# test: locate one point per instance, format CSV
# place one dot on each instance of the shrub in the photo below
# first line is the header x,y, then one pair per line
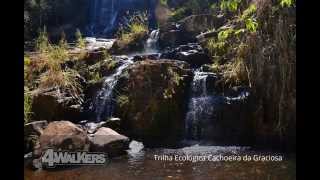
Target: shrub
x,y
42,42
230,5
80,43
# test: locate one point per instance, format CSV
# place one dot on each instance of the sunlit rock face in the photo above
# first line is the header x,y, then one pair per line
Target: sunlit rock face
x,y
106,15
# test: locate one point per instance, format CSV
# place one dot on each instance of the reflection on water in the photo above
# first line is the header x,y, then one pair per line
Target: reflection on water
x,y
140,164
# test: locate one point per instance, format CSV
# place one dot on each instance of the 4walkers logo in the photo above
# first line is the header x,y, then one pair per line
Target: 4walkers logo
x,y
52,158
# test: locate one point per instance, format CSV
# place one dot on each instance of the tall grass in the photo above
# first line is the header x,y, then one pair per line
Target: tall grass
x,y
27,105
47,65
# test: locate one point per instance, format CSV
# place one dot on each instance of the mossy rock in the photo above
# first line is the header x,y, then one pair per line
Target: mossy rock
x,y
157,98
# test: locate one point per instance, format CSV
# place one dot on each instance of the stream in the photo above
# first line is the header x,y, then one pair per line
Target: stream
x,y
141,163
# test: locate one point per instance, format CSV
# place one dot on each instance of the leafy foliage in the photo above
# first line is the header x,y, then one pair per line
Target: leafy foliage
x,y
230,5
286,3
249,11
251,24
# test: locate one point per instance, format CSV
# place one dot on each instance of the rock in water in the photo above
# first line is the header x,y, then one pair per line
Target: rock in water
x,y
35,128
109,141
64,135
113,123
191,53
32,132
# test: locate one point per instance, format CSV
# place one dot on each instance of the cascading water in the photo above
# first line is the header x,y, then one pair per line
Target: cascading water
x,y
105,15
151,45
202,107
103,104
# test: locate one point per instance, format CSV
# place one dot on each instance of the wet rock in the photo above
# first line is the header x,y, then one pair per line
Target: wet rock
x,y
35,127
52,104
113,123
191,53
92,127
155,56
155,94
109,141
64,135
136,43
172,35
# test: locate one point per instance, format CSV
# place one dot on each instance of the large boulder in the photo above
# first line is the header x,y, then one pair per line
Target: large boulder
x,y
172,35
53,104
133,43
109,141
187,29
63,135
152,99
191,53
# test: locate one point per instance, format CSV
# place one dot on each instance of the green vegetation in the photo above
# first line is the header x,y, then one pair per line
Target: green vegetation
x,y
256,48
27,105
174,80
179,13
189,7
122,100
287,3
44,70
164,2
230,5
42,42
79,39
135,30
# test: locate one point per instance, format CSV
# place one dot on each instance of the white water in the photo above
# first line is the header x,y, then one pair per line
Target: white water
x,y
151,45
104,102
93,43
201,107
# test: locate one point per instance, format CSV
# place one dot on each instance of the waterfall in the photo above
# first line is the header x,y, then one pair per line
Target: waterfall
x,y
103,105
106,15
103,16
202,107
151,45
